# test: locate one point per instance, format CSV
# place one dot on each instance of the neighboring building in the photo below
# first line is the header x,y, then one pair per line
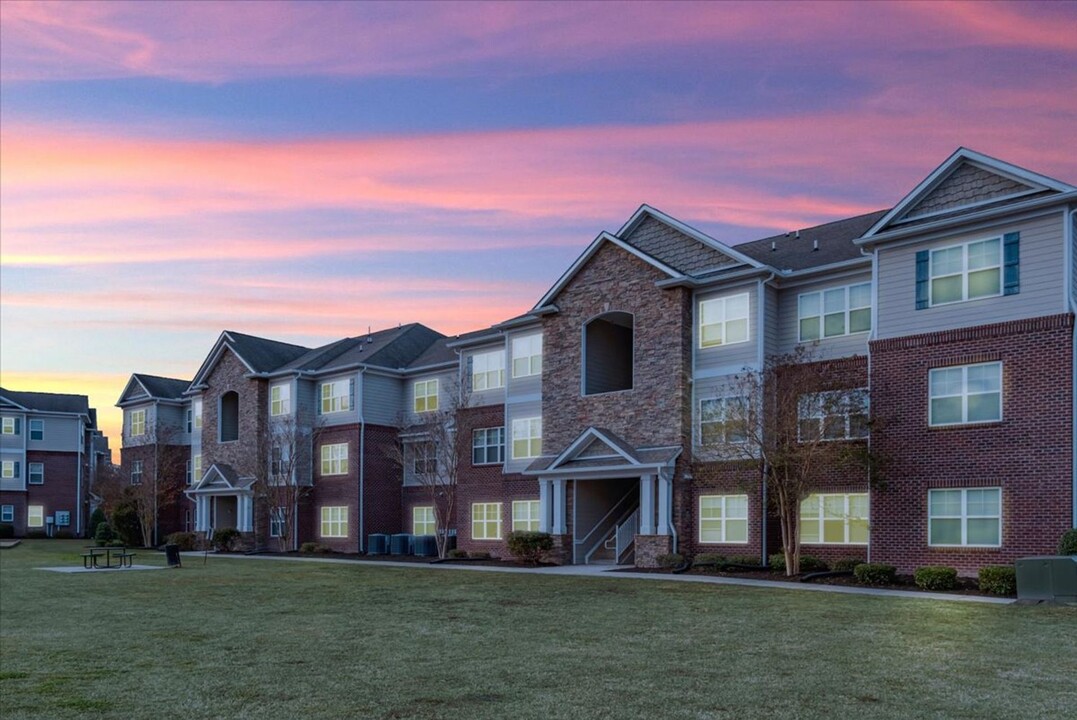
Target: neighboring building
x,y
594,416
50,453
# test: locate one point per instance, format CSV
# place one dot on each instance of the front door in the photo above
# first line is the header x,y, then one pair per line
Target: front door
x,y
224,512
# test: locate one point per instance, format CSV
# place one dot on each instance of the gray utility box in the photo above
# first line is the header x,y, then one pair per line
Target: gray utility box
x,y
1050,578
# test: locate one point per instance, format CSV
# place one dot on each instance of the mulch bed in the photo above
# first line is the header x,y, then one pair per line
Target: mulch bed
x,y
415,559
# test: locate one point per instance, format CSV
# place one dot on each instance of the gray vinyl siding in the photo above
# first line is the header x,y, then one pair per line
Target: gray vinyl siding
x,y
726,359
305,399
383,399
526,387
446,383
346,417
706,389
772,320
15,442
1041,282
14,455
484,397
134,393
824,348
173,424
1073,254
145,439
516,411
62,434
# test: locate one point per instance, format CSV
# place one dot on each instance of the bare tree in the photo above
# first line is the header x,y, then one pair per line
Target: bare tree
x,y
284,483
157,486
791,420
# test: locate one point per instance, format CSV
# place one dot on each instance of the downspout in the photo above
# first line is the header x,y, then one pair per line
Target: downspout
x,y
362,456
762,469
672,525
1071,291
871,336
81,440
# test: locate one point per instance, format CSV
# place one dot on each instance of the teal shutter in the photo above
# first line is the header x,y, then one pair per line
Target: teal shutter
x,y
923,278
18,471
18,426
318,399
1011,263
351,394
470,378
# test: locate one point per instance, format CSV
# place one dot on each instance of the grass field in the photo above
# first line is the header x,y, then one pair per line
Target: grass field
x,y
254,639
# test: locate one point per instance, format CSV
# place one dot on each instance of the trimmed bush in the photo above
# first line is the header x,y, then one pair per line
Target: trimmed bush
x,y
225,539
97,517
743,560
104,534
808,563
185,540
530,547
479,555
1068,544
457,553
672,560
126,525
846,564
7,530
935,577
998,579
875,574
709,559
323,549
308,547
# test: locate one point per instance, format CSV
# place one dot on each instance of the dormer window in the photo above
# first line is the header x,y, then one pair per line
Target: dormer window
x,y
608,353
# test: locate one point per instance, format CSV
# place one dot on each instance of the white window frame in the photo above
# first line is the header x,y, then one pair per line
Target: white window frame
x,y
427,522
847,518
964,273
424,395
488,370
335,396
40,473
847,311
8,425
723,538
276,522
526,515
189,473
138,423
7,470
528,430
136,472
723,420
964,517
334,457
424,458
196,465
486,520
197,405
280,400
190,420
810,408
527,355
719,306
39,429
7,513
35,519
486,447
334,521
964,395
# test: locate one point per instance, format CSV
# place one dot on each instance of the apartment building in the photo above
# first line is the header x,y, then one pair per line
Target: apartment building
x,y
598,415
50,453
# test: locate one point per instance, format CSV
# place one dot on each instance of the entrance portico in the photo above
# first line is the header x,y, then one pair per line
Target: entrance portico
x,y
223,500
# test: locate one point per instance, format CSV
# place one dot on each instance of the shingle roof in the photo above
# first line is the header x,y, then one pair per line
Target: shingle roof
x,y
393,348
263,354
673,248
835,240
48,402
162,387
436,354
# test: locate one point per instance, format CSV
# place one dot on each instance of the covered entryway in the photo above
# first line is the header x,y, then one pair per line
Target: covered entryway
x,y
223,500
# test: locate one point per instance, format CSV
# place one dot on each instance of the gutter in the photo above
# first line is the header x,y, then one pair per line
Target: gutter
x,y
78,477
362,457
763,471
1069,219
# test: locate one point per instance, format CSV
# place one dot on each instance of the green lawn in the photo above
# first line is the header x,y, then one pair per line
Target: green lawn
x,y
254,639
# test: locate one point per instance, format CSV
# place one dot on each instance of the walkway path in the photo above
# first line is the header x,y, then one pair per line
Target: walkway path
x,y
606,571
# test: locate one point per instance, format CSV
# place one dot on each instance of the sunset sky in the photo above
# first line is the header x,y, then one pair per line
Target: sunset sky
x,y
303,171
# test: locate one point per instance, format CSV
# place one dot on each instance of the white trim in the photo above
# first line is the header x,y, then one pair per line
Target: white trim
x,y
964,517
591,433
486,519
847,311
724,299
847,517
964,395
724,498
644,210
964,272
533,518
224,341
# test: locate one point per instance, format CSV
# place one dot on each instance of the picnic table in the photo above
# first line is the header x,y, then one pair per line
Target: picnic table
x,y
92,558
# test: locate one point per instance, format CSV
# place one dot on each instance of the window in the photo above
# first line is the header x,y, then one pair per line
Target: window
x,y
63,518
36,473
228,419
336,396
335,459
608,353
966,394
37,429
334,522
277,462
9,469
136,472
424,460
723,518
35,516
197,414
488,446
486,521
276,522
966,272
280,400
834,519
425,394
190,416
10,426
188,472
833,415
971,517
138,423
422,520
723,321
526,438
488,370
197,468
7,513
835,312
527,356
525,515
723,420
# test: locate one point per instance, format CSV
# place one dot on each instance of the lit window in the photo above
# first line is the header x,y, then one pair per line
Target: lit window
x,y
9,469
486,521
966,394
488,370
835,312
36,473
335,459
35,516
422,520
833,415
834,519
197,404
723,321
526,438
527,356
10,426
970,517
7,513
488,446
197,468
966,272
723,518
37,429
336,396
525,515
723,421
425,394
334,522
138,423
136,472
280,400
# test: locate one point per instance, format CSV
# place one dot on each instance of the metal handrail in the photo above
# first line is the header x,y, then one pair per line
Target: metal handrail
x,y
626,535
623,518
630,493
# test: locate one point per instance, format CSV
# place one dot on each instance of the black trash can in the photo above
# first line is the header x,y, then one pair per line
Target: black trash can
x,y
172,555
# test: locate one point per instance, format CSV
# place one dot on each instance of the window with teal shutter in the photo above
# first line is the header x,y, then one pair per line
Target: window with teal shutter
x,y
1011,261
923,279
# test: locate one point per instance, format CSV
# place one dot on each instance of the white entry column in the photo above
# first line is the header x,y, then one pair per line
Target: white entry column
x,y
244,513
559,524
201,512
665,499
646,505
545,505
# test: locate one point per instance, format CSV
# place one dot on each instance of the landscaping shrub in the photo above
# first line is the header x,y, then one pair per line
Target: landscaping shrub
x,y
63,535
323,549
125,523
935,577
1068,544
7,530
308,547
457,553
97,517
875,574
530,547
672,560
709,559
225,539
117,543
743,560
479,555
185,540
998,579
104,534
808,563
846,564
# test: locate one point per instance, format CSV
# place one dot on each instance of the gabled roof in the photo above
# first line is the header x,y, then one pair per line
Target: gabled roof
x,y
439,353
682,247
220,478
263,354
46,402
966,180
598,450
815,246
162,387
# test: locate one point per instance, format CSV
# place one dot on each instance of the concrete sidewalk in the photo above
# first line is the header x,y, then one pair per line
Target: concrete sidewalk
x,y
607,571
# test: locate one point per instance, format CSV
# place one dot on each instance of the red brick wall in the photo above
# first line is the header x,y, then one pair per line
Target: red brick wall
x,y
1028,454
171,516
336,490
720,478
59,491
